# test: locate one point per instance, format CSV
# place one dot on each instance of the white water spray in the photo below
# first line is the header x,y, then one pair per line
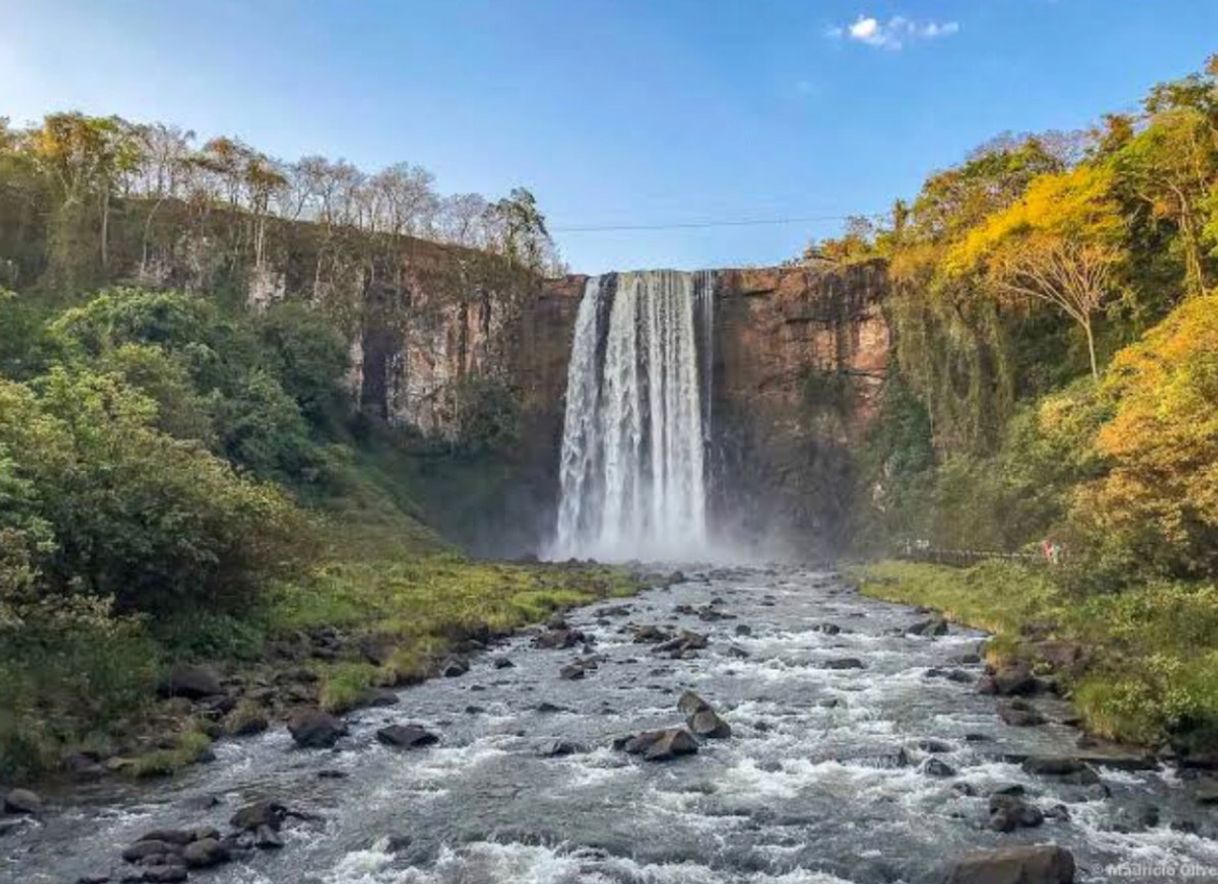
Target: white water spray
x,y
633,471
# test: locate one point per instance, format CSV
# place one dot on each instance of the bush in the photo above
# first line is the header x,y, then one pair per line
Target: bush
x,y
1156,507
137,515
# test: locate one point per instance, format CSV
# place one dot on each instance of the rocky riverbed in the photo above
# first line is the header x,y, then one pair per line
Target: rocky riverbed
x,y
749,724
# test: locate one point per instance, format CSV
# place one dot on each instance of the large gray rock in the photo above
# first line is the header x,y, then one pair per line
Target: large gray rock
x,y
1030,864
406,736
661,745
707,723
1010,812
691,704
166,874
260,814
1017,713
315,729
205,853
22,801
191,682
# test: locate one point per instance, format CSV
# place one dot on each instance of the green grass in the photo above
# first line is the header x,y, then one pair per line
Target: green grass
x,y
1153,670
88,680
190,746
422,605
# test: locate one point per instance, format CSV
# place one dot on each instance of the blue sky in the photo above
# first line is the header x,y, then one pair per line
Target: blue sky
x,y
614,112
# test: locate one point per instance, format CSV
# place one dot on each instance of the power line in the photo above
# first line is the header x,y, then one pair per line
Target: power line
x,y
687,225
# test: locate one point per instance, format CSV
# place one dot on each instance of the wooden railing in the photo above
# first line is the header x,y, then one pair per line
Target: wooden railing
x,y
962,558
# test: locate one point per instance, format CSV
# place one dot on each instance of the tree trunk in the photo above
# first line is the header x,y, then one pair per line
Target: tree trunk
x,y
105,228
1095,372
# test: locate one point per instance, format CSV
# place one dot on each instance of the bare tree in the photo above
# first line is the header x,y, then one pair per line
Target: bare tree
x,y
461,220
404,199
1074,277
162,173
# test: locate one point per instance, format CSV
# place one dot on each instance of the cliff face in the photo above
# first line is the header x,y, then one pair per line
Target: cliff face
x,y
800,354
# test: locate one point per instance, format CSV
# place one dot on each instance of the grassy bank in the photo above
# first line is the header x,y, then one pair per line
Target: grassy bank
x,y
390,597
1149,667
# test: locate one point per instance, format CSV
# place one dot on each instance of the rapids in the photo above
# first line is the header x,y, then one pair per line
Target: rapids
x,y
806,790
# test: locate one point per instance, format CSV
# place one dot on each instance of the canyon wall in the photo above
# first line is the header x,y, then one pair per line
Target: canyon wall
x,y
800,354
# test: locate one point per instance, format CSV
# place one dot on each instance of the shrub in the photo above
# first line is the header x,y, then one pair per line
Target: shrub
x,y
135,514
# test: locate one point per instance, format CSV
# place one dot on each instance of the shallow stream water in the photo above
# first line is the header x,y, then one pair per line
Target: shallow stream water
x,y
808,788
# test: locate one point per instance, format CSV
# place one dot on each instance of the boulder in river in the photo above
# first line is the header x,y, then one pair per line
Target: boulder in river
x,y
934,767
645,635
453,667
205,853
191,682
315,729
260,814
165,874
1011,812
701,717
561,749
931,626
406,736
690,703
844,663
1014,679
707,723
1018,713
661,745
682,643
150,850
559,637
1026,864
22,801
572,671
1072,770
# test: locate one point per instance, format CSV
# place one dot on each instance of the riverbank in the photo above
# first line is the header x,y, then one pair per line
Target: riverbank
x,y
835,714
385,604
1140,666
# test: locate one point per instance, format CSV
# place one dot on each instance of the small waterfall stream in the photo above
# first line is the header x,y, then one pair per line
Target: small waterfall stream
x,y
633,467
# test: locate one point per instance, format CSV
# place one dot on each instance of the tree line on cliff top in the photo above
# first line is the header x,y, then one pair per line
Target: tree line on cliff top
x,y
1056,364
64,182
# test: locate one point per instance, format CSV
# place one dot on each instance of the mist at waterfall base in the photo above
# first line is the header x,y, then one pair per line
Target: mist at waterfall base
x,y
633,471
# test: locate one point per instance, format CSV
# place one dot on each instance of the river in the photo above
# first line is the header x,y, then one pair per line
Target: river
x,y
823,779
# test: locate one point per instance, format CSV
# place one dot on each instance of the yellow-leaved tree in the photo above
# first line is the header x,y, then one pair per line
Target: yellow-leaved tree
x,y
1058,244
1158,501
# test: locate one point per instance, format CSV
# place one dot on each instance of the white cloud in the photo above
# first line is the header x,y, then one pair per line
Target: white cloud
x,y
894,33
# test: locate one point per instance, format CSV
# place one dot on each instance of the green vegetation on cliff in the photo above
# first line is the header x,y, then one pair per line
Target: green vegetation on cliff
x,y
1056,377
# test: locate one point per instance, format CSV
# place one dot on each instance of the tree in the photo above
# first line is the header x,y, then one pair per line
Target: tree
x,y
1055,245
85,157
165,165
522,228
136,515
1158,500
1074,277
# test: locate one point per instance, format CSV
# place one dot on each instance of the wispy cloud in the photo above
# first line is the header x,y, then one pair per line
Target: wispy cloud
x,y
892,34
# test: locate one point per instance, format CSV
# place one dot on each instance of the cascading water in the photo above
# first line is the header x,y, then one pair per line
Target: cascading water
x,y
633,468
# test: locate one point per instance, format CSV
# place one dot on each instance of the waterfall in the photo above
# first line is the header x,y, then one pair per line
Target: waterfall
x,y
633,470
